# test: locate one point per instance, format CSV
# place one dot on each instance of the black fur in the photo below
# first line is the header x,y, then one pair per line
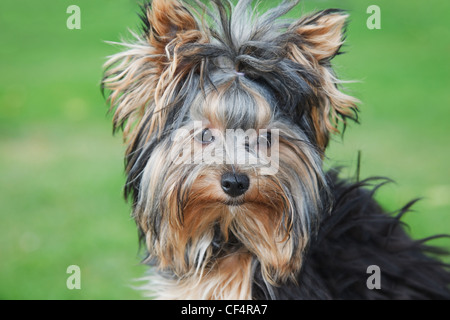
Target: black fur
x,y
357,234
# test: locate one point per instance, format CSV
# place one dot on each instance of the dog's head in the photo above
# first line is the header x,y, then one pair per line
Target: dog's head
x,y
227,114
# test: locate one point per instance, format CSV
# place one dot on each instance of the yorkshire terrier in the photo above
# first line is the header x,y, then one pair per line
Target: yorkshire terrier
x,y
227,114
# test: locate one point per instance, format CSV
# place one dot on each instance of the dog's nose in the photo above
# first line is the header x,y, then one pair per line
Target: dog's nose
x,y
235,184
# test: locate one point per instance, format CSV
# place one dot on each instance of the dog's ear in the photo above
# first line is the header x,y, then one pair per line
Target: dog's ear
x,y
319,38
140,78
322,33
164,20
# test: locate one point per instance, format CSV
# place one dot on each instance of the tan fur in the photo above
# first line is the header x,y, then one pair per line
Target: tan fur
x,y
142,77
322,39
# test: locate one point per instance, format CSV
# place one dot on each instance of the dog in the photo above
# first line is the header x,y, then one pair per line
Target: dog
x,y
227,114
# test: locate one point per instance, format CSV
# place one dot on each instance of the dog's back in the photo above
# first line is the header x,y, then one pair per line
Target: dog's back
x,y
356,235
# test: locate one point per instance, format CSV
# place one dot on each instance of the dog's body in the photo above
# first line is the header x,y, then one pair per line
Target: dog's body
x,y
356,235
227,116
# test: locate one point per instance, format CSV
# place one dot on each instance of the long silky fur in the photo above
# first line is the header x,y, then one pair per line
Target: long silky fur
x,y
222,61
359,233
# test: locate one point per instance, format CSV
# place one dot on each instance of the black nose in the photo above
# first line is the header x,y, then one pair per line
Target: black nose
x,y
235,184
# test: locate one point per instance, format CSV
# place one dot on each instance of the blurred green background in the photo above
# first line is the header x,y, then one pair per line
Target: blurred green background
x,y
61,170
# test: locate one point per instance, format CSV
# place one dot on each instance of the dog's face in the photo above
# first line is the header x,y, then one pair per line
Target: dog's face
x,y
227,118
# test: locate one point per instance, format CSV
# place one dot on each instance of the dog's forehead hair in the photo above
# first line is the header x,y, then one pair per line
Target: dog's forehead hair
x,y
233,103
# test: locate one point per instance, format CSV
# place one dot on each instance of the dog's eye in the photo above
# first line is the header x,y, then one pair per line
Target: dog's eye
x,y
205,136
265,139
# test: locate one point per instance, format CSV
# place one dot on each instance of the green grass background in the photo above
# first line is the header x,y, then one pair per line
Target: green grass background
x,y
61,170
